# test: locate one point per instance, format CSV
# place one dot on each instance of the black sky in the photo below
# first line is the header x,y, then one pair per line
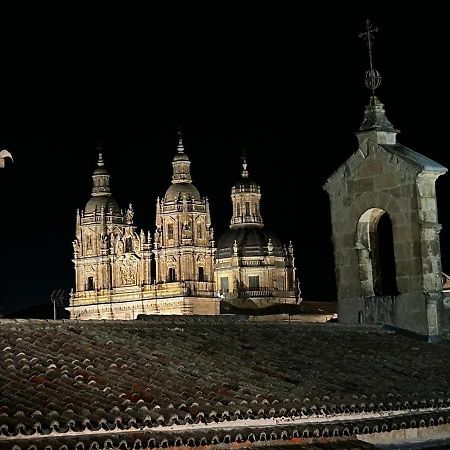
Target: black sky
x,y
285,85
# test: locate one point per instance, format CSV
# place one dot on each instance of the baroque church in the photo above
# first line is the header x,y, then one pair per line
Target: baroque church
x,y
121,272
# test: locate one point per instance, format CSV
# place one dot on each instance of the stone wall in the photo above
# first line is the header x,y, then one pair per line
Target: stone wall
x,y
376,179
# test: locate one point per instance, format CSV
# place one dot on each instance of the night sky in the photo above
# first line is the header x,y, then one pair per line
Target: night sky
x,y
284,85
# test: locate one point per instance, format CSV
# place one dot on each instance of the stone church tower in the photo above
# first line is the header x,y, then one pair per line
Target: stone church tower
x,y
111,258
253,269
184,241
386,232
385,228
114,263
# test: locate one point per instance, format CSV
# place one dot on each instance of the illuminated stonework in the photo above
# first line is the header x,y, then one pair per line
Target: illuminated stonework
x,y
184,238
386,232
252,268
113,261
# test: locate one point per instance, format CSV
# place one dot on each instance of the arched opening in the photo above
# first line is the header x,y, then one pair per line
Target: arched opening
x,y
170,231
171,275
128,245
201,274
90,284
375,246
153,269
387,280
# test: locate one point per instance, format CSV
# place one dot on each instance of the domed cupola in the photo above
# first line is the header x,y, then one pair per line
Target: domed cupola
x,y
182,186
246,197
247,236
183,245
101,191
252,267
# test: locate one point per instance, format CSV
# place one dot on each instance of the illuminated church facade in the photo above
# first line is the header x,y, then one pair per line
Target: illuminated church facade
x,y
121,272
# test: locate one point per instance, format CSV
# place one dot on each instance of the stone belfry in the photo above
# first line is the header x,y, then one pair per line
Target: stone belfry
x,y
110,257
385,226
184,242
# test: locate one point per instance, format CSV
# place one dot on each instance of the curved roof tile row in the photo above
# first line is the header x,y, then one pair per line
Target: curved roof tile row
x,y
99,375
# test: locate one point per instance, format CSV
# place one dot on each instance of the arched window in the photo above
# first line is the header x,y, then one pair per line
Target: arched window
x,y
90,284
152,269
171,275
170,231
290,280
224,284
375,246
128,244
201,274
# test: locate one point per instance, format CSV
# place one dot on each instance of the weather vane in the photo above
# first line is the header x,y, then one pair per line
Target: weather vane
x,y
372,77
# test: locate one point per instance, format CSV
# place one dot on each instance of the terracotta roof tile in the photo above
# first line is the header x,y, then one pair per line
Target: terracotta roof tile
x,y
99,375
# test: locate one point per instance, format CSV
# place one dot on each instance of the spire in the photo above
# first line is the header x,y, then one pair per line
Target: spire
x,y
180,140
208,213
246,197
100,179
181,163
374,116
100,162
244,165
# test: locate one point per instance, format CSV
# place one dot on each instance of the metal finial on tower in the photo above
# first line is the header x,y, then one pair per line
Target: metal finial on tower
x,y
372,77
180,139
244,164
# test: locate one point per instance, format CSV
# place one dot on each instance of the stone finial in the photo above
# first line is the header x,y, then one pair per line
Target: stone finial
x,y
180,147
100,162
156,240
129,214
375,118
235,248
244,172
269,246
291,248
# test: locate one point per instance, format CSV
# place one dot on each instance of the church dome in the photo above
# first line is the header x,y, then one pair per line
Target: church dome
x,y
174,191
181,157
251,241
96,203
101,191
246,183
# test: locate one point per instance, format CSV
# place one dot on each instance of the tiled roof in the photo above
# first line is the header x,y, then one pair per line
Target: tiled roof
x,y
415,158
211,380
